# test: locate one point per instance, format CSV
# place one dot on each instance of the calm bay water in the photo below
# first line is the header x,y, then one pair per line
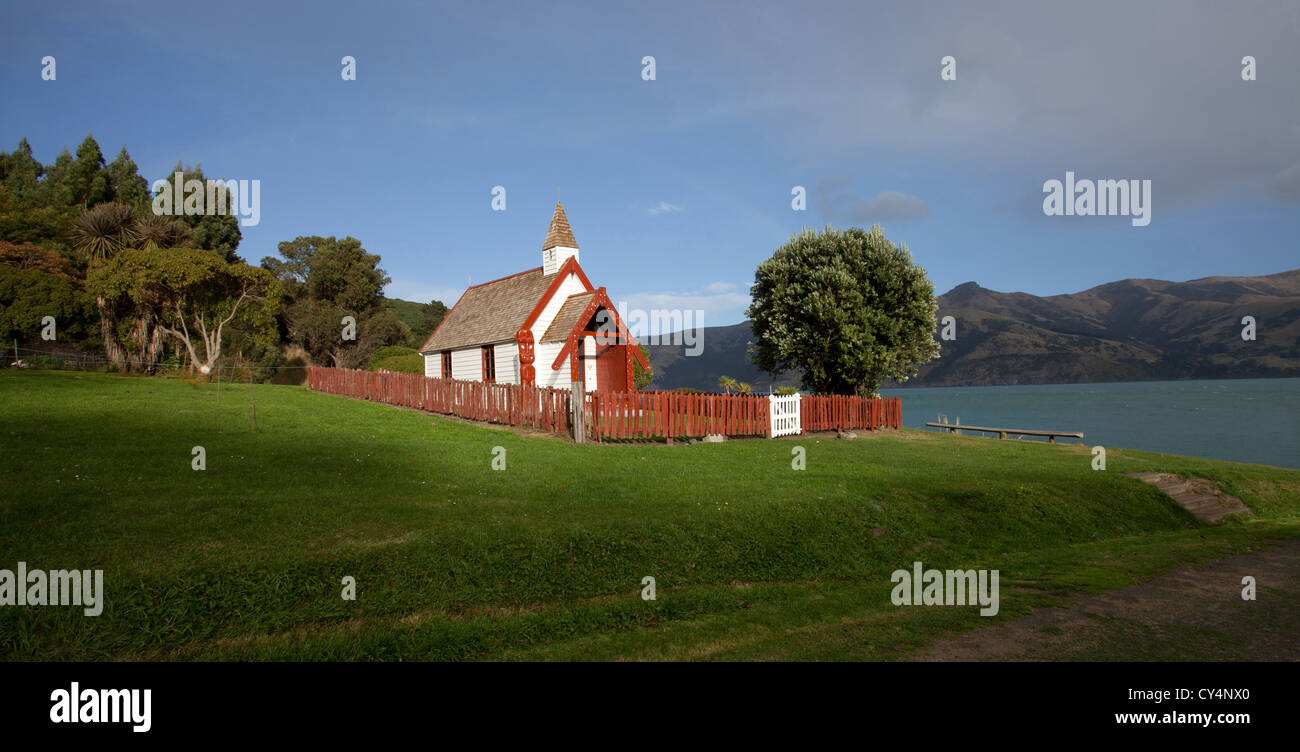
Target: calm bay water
x,y
1245,420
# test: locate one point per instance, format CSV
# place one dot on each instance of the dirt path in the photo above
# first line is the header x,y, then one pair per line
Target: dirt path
x,y
1190,613
1199,496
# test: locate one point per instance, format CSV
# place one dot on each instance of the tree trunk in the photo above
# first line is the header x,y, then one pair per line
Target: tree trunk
x,y
155,345
108,330
147,340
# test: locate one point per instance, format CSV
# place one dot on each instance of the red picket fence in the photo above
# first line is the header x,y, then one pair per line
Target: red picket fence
x,y
512,404
620,415
647,414
635,415
835,412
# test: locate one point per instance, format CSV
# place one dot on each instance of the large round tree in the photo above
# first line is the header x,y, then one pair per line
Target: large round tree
x,y
845,308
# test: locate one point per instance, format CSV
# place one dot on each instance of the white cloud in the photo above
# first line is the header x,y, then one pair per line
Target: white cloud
x,y
1160,95
1286,183
663,207
835,200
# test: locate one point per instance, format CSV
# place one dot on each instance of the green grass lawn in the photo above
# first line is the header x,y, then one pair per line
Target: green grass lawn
x,y
544,560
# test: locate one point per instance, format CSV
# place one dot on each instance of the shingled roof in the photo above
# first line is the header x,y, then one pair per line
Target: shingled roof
x,y
559,233
490,312
567,317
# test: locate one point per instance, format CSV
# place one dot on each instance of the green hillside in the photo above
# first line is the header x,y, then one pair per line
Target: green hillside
x,y
420,318
544,559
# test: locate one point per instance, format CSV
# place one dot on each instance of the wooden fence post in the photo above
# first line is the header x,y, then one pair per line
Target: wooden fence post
x,y
579,408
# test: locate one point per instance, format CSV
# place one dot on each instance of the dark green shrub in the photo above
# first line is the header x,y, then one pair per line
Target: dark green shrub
x,y
391,351
402,364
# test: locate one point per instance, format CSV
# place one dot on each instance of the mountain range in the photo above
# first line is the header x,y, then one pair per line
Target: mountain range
x,y
1130,330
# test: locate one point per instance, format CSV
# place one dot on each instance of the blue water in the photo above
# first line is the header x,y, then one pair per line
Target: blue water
x,y
1244,420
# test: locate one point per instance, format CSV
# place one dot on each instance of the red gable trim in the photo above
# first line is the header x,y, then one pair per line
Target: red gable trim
x,y
571,265
597,301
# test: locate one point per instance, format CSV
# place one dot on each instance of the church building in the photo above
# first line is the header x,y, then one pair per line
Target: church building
x,y
547,326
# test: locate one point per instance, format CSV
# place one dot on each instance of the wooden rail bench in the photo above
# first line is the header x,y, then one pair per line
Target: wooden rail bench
x,y
1002,432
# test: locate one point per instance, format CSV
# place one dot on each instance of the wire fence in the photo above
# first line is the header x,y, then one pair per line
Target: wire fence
x,y
73,358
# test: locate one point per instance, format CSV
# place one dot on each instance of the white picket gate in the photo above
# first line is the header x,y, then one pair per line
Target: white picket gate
x,y
784,414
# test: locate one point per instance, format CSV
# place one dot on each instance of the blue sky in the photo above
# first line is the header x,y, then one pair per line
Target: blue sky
x,y
678,187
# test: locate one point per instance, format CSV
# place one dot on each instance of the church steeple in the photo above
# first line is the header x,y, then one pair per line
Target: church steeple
x,y
560,244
